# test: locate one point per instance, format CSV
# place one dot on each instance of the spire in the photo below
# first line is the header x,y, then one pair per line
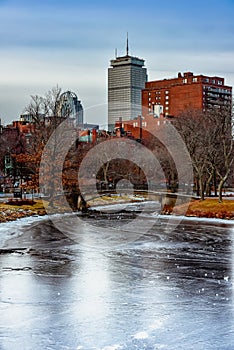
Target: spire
x,y
127,49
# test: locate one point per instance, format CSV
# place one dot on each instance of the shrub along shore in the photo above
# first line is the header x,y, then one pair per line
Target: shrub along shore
x,y
208,208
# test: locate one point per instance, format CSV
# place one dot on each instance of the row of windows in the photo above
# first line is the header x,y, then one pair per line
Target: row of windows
x,y
144,124
158,103
135,124
166,108
217,90
194,80
212,95
159,98
213,81
158,93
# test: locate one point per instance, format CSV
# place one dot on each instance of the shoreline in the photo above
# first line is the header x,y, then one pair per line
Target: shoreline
x,y
9,213
207,209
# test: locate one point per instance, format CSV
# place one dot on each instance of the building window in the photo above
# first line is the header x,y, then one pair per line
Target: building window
x,y
195,80
220,82
166,97
167,108
167,102
166,92
185,81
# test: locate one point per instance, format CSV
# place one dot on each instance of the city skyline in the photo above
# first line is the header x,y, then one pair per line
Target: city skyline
x,y
70,44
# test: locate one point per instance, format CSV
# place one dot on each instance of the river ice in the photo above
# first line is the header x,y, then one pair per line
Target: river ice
x,y
160,291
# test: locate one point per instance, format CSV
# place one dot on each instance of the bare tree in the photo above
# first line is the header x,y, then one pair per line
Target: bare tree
x,y
208,137
223,119
45,113
192,128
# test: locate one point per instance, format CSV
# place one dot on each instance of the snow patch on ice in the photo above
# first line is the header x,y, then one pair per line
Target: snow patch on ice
x,y
156,325
141,335
199,219
113,347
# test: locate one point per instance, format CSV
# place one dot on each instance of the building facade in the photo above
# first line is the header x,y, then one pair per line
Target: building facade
x,y
140,127
126,79
170,97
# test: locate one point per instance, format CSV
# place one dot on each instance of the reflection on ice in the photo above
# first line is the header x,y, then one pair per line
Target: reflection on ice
x,y
93,286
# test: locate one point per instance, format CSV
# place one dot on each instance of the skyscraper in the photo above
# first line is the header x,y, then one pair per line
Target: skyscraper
x,y
126,79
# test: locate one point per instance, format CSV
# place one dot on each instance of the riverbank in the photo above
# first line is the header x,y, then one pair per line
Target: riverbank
x,y
10,211
209,208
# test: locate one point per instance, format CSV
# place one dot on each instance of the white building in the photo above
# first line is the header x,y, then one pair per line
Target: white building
x,y
71,107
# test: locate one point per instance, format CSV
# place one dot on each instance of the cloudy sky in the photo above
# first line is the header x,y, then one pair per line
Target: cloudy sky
x,y
70,43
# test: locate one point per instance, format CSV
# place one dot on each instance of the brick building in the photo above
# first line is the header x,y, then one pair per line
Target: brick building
x,y
140,127
169,97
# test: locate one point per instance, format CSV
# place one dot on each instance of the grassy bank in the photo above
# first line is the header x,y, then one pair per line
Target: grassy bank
x,y
11,211
14,209
209,208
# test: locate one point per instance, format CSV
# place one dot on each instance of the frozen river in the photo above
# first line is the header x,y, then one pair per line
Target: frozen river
x,y
159,291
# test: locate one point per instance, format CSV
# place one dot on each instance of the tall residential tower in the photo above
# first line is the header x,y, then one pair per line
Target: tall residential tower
x,y
126,79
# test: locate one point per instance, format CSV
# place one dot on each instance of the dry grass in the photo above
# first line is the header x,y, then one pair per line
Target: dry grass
x,y
38,205
210,208
10,212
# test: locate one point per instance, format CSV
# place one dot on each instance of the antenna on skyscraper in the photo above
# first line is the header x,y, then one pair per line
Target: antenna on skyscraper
x,y
115,53
127,49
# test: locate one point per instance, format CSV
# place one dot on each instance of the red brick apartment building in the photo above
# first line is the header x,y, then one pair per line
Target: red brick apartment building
x,y
169,97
